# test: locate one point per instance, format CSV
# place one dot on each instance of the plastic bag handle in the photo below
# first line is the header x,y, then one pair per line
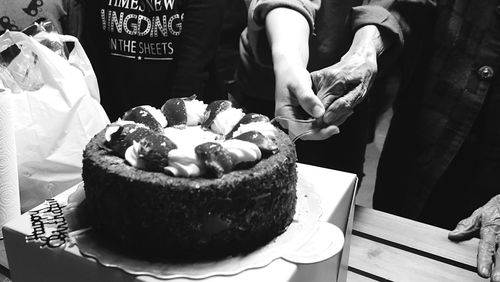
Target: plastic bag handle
x,y
79,59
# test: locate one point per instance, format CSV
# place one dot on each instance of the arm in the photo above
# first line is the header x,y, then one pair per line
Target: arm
x,y
293,86
382,15
278,35
342,86
257,29
288,36
198,44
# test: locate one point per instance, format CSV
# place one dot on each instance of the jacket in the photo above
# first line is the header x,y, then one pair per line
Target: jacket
x,y
449,98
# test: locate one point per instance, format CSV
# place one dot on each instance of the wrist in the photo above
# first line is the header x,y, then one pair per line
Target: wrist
x,y
368,42
285,58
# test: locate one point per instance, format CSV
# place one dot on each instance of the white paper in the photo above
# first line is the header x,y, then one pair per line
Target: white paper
x,y
9,185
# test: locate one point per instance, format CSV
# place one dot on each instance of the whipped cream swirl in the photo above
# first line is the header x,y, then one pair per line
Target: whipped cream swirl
x,y
225,121
266,128
132,156
242,151
157,115
195,112
184,163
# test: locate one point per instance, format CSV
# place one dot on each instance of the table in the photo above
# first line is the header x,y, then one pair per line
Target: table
x,y
382,247
385,247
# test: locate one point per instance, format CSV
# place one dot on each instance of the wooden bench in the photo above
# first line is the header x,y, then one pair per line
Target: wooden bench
x,y
385,247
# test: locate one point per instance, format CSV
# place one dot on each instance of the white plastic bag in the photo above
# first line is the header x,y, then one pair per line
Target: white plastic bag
x,y
53,124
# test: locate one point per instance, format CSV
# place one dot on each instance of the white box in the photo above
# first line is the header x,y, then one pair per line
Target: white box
x,y
28,261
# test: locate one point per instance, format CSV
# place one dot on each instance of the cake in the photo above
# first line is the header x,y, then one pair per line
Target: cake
x,y
167,207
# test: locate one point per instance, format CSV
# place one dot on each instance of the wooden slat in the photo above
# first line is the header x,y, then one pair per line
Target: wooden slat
x,y
4,266
4,278
416,235
354,277
3,255
398,265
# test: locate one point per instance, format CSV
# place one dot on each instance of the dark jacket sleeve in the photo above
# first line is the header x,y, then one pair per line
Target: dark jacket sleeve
x,y
197,47
379,13
397,20
416,19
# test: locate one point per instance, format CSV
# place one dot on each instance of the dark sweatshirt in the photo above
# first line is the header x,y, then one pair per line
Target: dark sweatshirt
x,y
147,51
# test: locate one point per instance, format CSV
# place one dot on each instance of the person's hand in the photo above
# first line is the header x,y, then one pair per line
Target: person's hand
x,y
344,85
288,35
486,220
295,101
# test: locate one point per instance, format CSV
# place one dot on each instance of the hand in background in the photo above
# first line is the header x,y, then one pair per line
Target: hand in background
x,y
486,220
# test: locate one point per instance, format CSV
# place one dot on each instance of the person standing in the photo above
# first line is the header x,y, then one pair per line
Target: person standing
x,y
65,15
441,159
145,52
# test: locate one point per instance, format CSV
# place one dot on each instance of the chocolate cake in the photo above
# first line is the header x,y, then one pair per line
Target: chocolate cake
x,y
155,214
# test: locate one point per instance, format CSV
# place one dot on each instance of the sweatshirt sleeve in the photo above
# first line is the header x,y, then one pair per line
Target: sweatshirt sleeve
x,y
259,9
378,13
254,38
373,14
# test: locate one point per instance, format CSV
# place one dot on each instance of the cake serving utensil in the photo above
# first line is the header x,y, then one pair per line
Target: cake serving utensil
x,y
316,124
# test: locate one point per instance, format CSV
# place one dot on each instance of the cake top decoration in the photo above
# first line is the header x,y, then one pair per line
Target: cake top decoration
x,y
188,138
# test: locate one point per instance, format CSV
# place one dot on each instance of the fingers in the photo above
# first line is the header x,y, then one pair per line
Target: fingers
x,y
338,112
485,252
322,133
294,88
309,101
328,84
466,228
328,95
495,274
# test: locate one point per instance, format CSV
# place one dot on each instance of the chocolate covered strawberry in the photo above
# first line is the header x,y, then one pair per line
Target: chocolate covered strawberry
x,y
247,119
184,111
215,158
147,115
150,153
221,117
213,109
121,135
265,144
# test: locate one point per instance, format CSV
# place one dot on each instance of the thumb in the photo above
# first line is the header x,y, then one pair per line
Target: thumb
x,y
309,101
466,228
